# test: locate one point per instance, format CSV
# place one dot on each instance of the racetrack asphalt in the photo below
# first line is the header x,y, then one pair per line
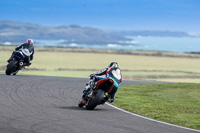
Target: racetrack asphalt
x,y
42,104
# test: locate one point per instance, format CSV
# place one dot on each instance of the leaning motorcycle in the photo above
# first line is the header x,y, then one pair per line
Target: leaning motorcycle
x,y
17,62
97,94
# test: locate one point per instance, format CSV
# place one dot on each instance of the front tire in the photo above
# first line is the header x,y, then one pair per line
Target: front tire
x,y
11,67
96,100
81,103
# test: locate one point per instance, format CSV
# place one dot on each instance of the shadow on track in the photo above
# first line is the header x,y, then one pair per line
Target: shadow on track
x,y
81,109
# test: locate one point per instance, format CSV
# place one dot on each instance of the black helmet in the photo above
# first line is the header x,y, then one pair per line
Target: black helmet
x,y
113,64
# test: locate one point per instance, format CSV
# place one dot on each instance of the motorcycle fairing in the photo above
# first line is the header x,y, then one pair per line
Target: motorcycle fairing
x,y
115,82
19,54
105,84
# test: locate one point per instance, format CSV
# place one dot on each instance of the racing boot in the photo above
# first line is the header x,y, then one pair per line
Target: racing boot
x,y
110,100
28,64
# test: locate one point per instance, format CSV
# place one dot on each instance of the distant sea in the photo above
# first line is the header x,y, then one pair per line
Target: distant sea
x,y
172,44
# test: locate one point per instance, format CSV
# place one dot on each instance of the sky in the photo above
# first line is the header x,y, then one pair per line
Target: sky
x,y
171,15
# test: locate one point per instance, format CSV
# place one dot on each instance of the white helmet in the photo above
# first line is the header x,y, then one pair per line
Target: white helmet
x,y
113,64
30,41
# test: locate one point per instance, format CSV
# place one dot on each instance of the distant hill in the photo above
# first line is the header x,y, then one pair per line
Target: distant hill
x,y
19,32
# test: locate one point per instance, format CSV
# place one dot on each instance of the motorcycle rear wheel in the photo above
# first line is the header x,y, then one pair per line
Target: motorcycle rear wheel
x,y
96,100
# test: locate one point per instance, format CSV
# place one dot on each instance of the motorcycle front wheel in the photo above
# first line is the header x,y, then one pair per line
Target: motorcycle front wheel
x,y
12,68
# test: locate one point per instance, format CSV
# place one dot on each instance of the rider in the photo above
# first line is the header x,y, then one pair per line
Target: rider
x,y
28,45
112,72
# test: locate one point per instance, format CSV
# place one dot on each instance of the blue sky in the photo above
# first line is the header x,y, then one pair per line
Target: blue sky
x,y
173,15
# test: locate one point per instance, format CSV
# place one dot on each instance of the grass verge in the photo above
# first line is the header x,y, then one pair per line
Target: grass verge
x,y
176,103
140,65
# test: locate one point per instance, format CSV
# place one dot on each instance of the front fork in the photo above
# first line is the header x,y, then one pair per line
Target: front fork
x,y
21,64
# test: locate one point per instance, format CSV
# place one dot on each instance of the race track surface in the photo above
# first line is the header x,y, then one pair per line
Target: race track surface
x,y
41,104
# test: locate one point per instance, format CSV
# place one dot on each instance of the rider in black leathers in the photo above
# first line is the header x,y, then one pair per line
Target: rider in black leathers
x,y
30,47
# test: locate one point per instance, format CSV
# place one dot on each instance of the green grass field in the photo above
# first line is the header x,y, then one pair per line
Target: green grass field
x,y
74,64
177,103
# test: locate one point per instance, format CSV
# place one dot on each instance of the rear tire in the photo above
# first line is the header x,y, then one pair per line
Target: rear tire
x,y
96,100
11,67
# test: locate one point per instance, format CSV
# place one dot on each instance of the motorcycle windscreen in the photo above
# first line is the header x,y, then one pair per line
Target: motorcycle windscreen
x,y
26,52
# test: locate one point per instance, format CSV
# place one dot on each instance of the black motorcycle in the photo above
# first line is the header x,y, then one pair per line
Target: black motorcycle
x,y
17,62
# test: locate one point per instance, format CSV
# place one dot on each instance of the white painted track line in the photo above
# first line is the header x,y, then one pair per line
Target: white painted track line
x,y
151,119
